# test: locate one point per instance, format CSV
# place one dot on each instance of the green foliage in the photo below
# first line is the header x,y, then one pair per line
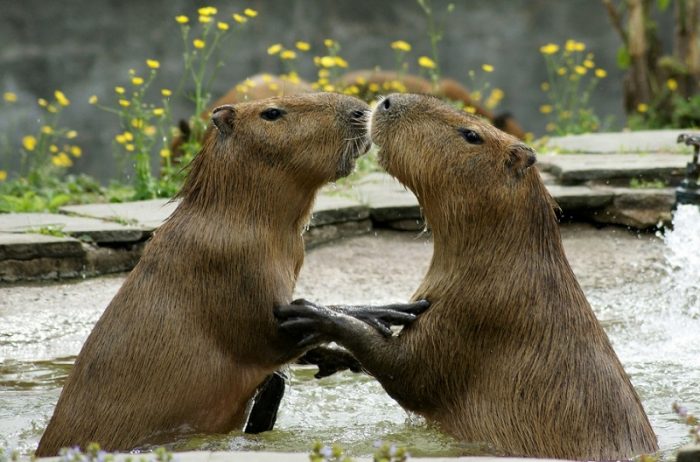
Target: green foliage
x,y
19,196
384,453
637,183
668,110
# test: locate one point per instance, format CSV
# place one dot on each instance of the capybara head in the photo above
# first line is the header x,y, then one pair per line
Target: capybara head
x,y
305,140
447,155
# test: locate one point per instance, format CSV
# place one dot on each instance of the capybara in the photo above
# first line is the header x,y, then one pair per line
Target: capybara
x,y
510,352
255,87
446,88
190,335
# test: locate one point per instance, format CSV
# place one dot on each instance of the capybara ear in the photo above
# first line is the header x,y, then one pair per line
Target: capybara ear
x,y
521,157
185,130
223,117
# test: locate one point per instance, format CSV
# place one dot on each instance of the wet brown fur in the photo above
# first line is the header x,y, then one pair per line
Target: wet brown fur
x,y
447,88
510,352
190,335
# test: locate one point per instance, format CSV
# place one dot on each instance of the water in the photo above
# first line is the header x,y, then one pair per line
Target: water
x,y
642,288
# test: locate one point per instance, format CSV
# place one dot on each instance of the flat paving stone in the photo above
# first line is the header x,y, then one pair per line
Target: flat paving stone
x,y
621,142
579,168
387,199
335,208
98,230
572,198
23,246
147,215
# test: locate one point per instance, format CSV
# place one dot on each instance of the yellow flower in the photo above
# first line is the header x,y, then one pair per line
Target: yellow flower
x,y
121,139
373,87
352,90
303,46
580,70
152,63
76,151
324,73
182,19
9,97
29,143
288,54
328,87
600,73
570,45
274,49
273,86
3,175
329,43
544,86
546,108
137,81
198,43
92,99
137,123
266,78
580,46
222,25
61,98
42,102
119,90
487,67
239,19
292,77
561,71
124,103
53,148
61,160
470,109
400,45
549,49
150,130
129,147
672,84
51,108
165,92
497,94
46,130
340,62
132,72
327,61
128,136
165,153
251,13
426,62
159,111
205,19
550,127
642,107
70,134
588,63
207,11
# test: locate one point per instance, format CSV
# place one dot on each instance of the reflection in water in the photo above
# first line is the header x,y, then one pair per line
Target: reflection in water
x,y
642,289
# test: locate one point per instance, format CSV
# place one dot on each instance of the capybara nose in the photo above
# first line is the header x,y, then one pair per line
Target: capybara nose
x,y
223,117
386,103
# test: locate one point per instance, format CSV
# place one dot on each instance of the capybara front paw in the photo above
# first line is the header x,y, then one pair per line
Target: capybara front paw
x,y
302,321
330,360
383,317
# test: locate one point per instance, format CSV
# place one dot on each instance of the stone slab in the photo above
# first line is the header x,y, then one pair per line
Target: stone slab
x,y
690,453
97,230
22,246
147,215
388,200
573,198
336,208
580,168
621,142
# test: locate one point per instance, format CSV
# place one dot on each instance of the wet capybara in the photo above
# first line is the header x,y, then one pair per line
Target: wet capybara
x,y
446,88
510,352
190,335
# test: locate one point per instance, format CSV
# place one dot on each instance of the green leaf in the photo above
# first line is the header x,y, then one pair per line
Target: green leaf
x,y
663,4
58,201
623,58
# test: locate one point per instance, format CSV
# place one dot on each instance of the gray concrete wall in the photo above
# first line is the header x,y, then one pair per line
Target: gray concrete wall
x,y
85,47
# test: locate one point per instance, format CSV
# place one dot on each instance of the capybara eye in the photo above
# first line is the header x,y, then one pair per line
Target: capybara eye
x,y
471,136
271,114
